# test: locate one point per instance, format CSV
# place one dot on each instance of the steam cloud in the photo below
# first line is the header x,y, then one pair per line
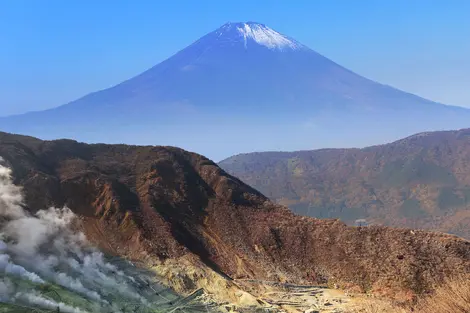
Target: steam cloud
x,y
42,250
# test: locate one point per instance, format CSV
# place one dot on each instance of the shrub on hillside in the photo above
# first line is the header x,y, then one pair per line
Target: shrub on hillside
x,y
451,297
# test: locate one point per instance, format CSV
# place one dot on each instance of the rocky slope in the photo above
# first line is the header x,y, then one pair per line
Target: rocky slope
x,y
422,181
163,205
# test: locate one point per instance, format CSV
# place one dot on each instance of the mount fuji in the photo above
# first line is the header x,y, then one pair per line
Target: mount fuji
x,y
241,88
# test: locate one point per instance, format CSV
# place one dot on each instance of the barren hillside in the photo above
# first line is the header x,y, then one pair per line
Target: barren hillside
x,y
163,204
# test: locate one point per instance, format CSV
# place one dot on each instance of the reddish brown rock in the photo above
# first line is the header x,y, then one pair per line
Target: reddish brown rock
x,y
164,202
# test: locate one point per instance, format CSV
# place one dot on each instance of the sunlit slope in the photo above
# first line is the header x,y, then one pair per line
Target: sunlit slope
x,y
420,181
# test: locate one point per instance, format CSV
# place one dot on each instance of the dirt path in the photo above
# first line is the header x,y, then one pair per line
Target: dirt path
x,y
294,298
246,295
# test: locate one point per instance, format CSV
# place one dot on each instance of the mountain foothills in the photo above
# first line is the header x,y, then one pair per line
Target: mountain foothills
x,y
422,181
169,208
243,80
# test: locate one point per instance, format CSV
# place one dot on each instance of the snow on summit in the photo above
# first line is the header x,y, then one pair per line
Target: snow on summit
x,y
266,36
260,34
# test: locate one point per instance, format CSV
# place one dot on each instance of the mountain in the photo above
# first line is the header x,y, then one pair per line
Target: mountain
x,y
422,181
252,89
172,209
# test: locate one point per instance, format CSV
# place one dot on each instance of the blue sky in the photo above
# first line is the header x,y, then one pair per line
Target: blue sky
x,y
55,51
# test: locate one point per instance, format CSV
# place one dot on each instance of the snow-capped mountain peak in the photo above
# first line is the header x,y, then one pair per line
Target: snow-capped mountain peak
x,y
243,80
259,34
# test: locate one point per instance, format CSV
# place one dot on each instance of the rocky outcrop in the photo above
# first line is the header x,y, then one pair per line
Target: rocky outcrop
x,y
162,203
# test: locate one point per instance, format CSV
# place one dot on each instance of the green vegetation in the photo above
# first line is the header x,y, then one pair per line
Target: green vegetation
x,y
293,167
48,293
54,298
448,199
411,208
423,166
466,195
402,172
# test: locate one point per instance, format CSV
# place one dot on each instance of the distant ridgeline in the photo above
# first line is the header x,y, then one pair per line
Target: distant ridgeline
x,y
422,181
199,227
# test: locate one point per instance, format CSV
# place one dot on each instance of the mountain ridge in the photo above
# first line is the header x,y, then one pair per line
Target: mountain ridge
x,y
419,181
232,85
163,205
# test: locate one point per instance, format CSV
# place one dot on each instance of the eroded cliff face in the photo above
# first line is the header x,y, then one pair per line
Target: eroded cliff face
x,y
162,204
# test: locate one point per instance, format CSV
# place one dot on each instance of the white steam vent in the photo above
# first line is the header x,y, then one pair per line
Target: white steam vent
x,y
46,266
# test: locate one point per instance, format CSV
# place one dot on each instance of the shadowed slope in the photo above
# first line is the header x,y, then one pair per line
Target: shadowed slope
x,y
160,203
